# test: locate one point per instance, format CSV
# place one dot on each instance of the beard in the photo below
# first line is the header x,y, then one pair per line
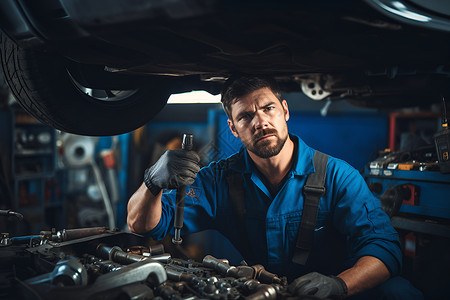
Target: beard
x,y
265,149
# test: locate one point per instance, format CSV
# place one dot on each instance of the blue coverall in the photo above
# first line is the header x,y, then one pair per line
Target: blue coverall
x,y
350,221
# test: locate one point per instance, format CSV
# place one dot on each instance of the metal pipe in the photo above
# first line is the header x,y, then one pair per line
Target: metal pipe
x,y
72,234
216,264
116,254
106,200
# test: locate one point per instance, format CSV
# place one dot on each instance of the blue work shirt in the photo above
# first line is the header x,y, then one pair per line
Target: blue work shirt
x,y
350,222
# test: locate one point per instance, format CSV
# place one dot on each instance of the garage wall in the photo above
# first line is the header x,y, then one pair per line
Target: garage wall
x,y
351,136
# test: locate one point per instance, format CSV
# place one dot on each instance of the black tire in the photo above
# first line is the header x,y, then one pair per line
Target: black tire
x,y
4,90
41,83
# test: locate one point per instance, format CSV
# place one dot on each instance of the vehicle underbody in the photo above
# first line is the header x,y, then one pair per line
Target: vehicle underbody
x,y
332,50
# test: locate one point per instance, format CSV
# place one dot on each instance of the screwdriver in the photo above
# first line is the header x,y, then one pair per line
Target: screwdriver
x,y
188,141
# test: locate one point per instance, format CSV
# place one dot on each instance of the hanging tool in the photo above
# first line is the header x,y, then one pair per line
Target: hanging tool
x,y
9,213
188,142
442,141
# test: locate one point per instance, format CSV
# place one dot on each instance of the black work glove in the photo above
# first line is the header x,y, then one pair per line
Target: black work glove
x,y
175,168
319,285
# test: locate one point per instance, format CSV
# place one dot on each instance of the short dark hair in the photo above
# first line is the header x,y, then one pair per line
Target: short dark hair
x,y
241,85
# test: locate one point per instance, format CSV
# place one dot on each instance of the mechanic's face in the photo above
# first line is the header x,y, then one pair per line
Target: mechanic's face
x,y
259,121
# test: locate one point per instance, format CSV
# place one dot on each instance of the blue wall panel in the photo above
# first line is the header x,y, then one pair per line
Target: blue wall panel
x,y
352,137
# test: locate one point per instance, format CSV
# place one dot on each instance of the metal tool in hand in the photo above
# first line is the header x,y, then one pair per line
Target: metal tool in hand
x,y
188,142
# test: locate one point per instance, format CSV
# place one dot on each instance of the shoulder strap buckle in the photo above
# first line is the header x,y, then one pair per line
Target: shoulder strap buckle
x,y
313,189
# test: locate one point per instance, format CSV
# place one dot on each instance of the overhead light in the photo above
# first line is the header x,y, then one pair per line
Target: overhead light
x,y
401,10
193,97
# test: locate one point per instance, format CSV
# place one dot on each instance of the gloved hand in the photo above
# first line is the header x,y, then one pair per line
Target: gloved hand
x,y
320,286
173,169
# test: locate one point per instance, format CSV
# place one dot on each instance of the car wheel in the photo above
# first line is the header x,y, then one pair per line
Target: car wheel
x,y
43,85
4,90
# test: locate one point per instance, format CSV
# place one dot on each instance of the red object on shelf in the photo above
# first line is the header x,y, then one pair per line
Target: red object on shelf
x,y
396,117
414,198
108,158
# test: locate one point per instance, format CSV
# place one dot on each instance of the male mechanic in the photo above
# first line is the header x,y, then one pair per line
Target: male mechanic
x,y
353,247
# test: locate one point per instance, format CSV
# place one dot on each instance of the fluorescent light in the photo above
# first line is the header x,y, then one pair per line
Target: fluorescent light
x,y
193,97
401,10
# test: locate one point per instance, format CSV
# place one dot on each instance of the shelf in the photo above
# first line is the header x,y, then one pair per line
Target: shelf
x,y
24,153
421,225
33,155
23,118
30,210
53,205
413,175
35,176
26,124
428,191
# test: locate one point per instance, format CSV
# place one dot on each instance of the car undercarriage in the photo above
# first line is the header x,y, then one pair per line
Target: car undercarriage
x,y
114,58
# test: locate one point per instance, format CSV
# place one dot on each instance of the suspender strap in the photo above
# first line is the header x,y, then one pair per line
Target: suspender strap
x,y
236,192
313,189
